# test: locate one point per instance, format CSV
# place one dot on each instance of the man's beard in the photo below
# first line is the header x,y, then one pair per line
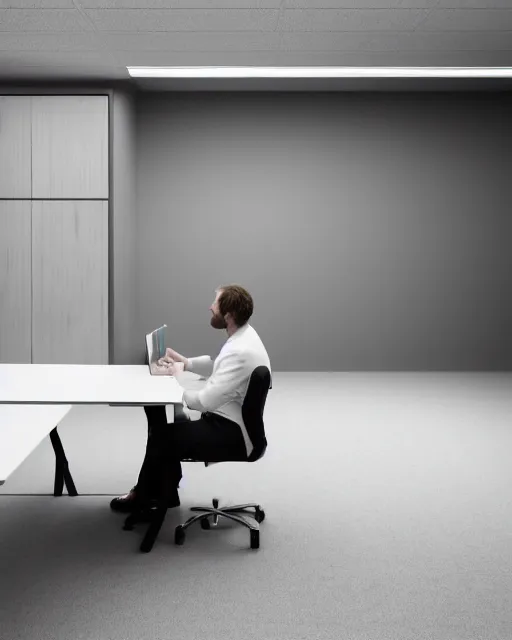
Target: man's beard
x,y
218,322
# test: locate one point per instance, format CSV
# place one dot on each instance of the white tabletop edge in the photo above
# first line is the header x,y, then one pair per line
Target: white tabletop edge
x,y
132,404
108,404
130,385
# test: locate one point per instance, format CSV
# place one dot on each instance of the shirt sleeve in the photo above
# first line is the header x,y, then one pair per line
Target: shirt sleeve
x,y
221,387
202,365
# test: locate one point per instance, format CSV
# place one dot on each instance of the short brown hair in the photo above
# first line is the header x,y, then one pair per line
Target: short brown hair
x,y
237,301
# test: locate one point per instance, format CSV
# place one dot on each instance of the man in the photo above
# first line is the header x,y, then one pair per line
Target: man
x,y
220,433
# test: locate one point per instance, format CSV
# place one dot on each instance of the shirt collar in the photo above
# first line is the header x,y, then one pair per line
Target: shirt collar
x,y
240,331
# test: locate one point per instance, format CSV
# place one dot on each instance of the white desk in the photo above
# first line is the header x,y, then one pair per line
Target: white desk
x,y
22,385
86,384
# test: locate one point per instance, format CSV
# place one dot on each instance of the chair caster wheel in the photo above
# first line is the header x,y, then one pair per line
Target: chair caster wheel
x,y
205,524
179,535
259,515
255,539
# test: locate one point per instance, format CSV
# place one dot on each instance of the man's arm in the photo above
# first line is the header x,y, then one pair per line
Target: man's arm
x,y
221,387
202,365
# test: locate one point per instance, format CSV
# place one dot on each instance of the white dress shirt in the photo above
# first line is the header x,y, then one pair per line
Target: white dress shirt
x,y
228,377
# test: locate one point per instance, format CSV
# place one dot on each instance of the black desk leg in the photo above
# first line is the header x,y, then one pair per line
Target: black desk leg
x,y
158,515
62,474
156,523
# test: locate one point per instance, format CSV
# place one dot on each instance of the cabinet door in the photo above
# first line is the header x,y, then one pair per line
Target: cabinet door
x,y
15,281
15,149
70,282
70,147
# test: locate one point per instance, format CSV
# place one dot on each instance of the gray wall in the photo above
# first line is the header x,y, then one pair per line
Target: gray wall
x,y
372,230
123,264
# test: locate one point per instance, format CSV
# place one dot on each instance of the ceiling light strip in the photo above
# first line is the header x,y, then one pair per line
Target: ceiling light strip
x,y
320,72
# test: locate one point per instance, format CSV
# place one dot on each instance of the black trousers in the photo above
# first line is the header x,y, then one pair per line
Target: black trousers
x,y
212,438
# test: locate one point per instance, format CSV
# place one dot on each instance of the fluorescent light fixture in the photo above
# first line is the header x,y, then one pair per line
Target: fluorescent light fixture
x,y
320,72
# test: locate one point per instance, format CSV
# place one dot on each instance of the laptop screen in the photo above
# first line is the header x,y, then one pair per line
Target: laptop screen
x,y
155,346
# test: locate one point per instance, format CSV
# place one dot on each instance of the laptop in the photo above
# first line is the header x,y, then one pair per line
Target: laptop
x,y
155,347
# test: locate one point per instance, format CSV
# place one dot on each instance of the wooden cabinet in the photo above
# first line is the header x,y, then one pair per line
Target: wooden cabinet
x,y
54,178
70,282
54,147
15,281
70,147
15,147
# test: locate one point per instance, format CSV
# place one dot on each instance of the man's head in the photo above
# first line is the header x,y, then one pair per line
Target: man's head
x,y
232,308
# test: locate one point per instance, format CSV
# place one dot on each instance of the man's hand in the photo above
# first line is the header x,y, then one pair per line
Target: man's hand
x,y
161,368
173,356
164,368
176,368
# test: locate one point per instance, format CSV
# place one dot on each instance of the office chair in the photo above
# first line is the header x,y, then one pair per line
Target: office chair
x,y
252,413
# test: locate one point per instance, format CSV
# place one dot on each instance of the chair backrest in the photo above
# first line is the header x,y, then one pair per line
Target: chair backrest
x,y
252,410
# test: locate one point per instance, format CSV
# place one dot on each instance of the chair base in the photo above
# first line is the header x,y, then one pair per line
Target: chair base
x,y
232,513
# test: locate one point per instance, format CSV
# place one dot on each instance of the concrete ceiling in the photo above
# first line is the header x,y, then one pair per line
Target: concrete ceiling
x,y
95,40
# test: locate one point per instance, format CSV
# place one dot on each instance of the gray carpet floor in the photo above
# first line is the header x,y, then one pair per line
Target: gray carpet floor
x,y
389,517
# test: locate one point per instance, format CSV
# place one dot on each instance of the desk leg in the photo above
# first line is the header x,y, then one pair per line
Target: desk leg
x,y
157,516
153,529
62,474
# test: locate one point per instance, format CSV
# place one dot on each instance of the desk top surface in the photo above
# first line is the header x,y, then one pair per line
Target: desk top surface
x,y
86,384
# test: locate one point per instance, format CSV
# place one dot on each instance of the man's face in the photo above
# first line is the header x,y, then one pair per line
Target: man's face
x,y
217,321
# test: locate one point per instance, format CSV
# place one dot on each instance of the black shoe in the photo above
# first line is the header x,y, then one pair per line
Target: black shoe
x,y
128,503
124,504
